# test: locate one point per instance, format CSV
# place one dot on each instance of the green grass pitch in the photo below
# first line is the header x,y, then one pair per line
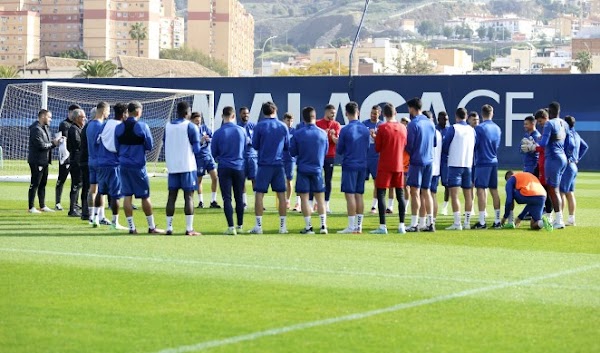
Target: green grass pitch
x,y
65,287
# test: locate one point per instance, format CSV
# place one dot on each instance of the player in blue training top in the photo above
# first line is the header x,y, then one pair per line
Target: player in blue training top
x,y
372,156
530,159
442,127
182,142
309,146
94,127
205,161
420,144
289,163
228,144
271,138
575,149
132,140
553,141
250,154
487,141
353,145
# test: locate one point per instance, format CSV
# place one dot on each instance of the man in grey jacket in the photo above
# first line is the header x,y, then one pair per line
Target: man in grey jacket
x,y
40,148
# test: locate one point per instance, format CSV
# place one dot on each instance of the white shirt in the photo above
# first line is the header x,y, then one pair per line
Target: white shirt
x,y
179,155
460,153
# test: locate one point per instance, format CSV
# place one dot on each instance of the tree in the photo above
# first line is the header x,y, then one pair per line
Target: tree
x,y
139,33
428,28
448,32
485,64
584,61
414,66
73,54
340,42
324,68
491,33
189,54
481,32
8,72
97,68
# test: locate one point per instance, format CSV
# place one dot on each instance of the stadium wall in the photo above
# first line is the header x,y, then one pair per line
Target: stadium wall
x,y
512,96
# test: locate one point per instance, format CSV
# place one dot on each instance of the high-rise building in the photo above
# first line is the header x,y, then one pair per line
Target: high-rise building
x,y
172,28
19,36
224,30
107,26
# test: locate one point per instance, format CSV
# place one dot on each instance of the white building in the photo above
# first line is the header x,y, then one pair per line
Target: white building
x,y
517,27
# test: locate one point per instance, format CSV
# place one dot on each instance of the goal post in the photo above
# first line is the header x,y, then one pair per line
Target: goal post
x,y
22,101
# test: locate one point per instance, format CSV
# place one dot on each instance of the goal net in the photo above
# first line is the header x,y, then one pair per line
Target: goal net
x,y
22,102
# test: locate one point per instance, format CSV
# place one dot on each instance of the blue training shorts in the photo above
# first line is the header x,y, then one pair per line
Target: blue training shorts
x,y
567,182
554,170
205,165
184,181
419,176
434,184
134,181
109,181
371,168
289,169
459,177
309,183
270,175
353,181
250,167
93,175
486,177
444,173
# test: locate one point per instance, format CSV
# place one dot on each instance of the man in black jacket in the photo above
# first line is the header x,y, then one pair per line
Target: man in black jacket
x,y
64,168
74,148
40,148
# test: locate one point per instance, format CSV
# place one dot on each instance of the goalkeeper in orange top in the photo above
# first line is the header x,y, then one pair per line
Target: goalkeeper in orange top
x,y
525,188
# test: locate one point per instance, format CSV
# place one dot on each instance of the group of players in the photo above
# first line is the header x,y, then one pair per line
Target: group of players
x,y
411,156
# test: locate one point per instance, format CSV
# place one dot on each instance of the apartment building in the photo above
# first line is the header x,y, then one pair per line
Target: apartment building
x,y
172,27
224,30
19,36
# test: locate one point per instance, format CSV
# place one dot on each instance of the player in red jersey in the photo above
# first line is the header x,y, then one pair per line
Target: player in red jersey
x,y
390,142
332,128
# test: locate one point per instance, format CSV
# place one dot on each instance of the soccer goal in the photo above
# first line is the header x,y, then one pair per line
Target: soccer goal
x,y
22,102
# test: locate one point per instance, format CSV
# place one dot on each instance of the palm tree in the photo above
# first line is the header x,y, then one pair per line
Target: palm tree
x,y
8,72
97,68
138,32
584,61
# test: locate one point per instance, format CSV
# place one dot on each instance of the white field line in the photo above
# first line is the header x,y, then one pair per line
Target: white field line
x,y
367,314
250,266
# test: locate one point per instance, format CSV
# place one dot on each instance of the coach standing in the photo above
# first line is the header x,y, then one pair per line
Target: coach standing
x,y
64,168
40,147
332,128
74,148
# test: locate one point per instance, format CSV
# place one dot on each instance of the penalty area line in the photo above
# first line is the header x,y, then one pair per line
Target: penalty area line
x,y
367,314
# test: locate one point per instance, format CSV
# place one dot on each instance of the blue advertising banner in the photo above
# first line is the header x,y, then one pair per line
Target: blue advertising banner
x,y
513,97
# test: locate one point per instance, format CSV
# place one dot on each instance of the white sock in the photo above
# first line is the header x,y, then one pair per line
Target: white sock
x,y
130,223
311,203
414,221
382,226
497,214
482,217
402,227
245,198
422,222
189,222
467,218
259,221
540,224
445,205
200,198
328,205
115,219
213,196
406,205
559,217
351,222
170,223
282,222
101,214
374,204
572,218
511,217
456,218
307,222
150,220
391,204
430,220
93,214
323,218
359,221
298,200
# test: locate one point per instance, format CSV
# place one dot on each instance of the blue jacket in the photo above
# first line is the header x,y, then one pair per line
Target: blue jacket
x,y
309,146
270,139
553,138
249,151
530,159
420,140
132,147
487,141
353,144
94,128
228,144
575,146
287,157
372,154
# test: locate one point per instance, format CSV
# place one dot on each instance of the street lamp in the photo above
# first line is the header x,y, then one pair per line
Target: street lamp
x,y
262,54
339,60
